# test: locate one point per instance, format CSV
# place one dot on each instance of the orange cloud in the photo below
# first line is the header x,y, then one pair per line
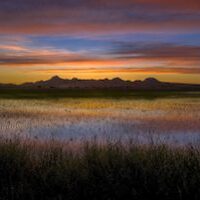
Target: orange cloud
x,y
12,47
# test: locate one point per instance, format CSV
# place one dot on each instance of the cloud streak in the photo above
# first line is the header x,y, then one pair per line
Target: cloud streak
x,y
121,54
154,50
103,37
150,70
98,17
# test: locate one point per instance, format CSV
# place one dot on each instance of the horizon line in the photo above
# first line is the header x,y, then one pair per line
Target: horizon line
x,y
93,79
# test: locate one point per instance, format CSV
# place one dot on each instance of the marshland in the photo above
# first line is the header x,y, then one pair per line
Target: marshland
x,y
100,147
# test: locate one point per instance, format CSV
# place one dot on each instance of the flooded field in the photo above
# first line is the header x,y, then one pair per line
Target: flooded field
x,y
169,120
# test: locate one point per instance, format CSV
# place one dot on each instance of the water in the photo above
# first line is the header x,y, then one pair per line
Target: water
x,y
171,121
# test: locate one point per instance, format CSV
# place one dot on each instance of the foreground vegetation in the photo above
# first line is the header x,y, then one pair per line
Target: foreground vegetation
x,y
72,170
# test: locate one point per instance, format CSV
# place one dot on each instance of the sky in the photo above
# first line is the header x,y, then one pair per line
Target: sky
x,y
97,39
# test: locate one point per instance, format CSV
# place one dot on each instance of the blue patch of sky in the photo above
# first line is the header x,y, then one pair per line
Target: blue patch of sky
x,y
69,43
104,43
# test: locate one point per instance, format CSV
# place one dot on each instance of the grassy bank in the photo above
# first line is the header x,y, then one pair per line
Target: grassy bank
x,y
78,93
51,170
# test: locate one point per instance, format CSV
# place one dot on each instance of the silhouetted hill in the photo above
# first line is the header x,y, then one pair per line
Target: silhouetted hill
x,y
148,84
151,81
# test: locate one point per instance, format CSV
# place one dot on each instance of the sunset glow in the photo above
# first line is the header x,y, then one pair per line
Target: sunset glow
x,y
130,39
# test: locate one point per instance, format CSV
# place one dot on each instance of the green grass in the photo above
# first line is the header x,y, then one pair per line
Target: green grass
x,y
54,170
65,93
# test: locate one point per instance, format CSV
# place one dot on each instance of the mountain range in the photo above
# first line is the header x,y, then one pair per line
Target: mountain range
x,y
148,84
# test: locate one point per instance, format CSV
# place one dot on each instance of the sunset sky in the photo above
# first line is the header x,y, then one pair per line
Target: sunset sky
x,y
130,39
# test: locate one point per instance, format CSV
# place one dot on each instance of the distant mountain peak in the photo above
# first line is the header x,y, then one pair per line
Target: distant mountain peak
x,y
116,83
117,79
151,80
55,78
75,79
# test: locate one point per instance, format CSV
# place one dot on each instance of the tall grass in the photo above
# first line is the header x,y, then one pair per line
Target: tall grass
x,y
54,170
